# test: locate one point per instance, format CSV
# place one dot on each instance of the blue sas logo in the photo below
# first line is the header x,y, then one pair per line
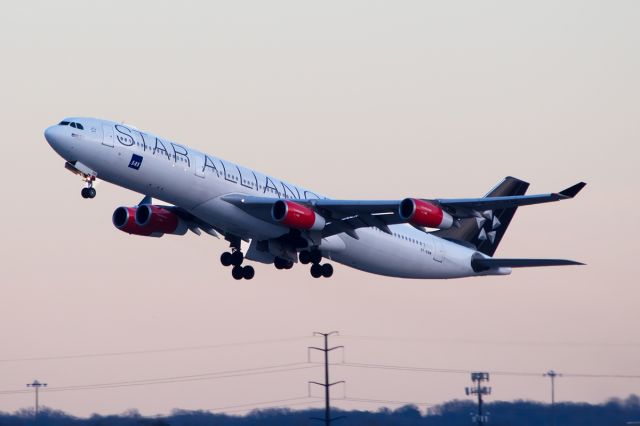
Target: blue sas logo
x,y
136,161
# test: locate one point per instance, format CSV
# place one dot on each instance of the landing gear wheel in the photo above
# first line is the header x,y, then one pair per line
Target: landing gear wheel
x,y
316,270
288,265
237,258
225,258
304,257
237,272
248,272
316,256
281,263
327,270
91,192
85,192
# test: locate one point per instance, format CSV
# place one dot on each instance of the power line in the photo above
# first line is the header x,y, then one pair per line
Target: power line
x,y
490,342
299,366
153,351
175,380
404,368
179,379
497,373
601,376
292,339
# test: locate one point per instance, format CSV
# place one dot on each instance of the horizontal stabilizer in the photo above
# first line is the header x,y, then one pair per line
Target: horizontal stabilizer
x,y
573,190
480,265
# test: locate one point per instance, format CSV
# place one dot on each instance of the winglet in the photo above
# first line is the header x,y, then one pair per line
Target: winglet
x,y
572,191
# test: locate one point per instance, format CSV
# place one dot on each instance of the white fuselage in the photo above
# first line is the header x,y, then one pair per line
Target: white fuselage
x,y
196,181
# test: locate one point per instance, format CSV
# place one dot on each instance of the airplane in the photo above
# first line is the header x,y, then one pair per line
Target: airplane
x,y
282,223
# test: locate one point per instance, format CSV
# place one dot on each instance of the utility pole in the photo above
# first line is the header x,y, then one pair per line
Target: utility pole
x,y
552,375
478,389
326,349
36,385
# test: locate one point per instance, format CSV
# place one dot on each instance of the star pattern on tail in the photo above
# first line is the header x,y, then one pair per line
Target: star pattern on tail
x,y
492,223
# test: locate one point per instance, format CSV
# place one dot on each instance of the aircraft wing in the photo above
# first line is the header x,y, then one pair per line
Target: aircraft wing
x,y
459,205
342,216
348,215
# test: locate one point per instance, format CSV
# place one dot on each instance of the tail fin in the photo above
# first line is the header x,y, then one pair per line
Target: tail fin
x,y
486,231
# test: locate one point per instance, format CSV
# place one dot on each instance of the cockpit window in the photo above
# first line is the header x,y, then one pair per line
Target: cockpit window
x,y
72,124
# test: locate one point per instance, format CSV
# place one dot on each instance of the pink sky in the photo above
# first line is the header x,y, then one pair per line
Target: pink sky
x,y
354,100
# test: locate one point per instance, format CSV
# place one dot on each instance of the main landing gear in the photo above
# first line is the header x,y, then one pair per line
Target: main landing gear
x,y
235,258
317,269
281,263
89,191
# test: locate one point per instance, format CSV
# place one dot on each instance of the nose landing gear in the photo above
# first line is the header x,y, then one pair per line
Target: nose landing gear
x,y
89,191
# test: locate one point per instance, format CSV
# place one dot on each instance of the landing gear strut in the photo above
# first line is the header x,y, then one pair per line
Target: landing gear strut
x,y
317,269
235,258
89,191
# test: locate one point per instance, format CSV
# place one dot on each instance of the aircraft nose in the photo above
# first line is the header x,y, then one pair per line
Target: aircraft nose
x,y
57,139
50,135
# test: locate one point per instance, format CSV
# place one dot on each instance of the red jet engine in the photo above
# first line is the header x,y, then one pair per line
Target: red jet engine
x,y
297,216
422,213
124,218
148,220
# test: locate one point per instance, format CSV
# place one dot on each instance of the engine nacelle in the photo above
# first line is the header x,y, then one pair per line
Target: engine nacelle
x,y
148,221
422,213
159,220
297,216
124,218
